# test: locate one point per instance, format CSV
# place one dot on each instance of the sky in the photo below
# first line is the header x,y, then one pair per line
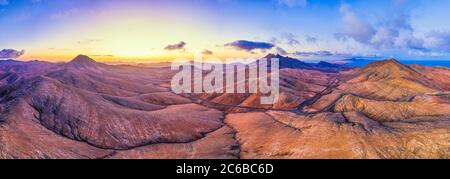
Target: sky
x,y
162,30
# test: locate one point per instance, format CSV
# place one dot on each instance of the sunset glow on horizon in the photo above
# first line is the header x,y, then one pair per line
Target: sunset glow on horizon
x,y
141,31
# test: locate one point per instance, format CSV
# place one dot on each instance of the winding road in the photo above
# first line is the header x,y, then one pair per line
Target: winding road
x,y
298,110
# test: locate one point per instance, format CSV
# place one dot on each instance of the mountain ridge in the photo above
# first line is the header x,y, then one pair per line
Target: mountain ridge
x,y
289,62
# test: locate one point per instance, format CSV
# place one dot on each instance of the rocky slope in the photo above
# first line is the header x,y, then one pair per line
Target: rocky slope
x,y
86,109
383,110
337,135
100,107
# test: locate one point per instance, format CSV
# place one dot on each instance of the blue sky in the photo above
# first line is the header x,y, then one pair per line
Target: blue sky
x,y
140,30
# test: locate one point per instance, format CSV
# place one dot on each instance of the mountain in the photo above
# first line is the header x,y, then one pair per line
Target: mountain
x,y
288,62
9,61
356,59
389,79
383,110
12,70
388,91
323,64
83,61
87,109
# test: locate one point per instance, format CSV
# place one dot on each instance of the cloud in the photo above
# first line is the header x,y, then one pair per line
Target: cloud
x,y
281,51
354,27
250,45
293,3
287,38
88,41
290,38
177,46
310,39
11,53
440,41
108,55
314,54
399,2
66,13
408,40
394,32
324,54
207,52
70,12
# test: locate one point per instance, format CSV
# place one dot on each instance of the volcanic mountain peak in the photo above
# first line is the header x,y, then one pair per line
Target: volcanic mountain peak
x,y
390,62
386,69
271,55
280,57
288,62
83,61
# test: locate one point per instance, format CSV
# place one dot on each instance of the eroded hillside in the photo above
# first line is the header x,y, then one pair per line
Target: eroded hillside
x,y
86,109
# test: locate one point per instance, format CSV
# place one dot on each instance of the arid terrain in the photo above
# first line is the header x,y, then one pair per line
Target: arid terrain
x,y
87,109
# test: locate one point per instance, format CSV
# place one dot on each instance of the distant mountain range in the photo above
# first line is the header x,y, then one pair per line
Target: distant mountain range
x,y
288,62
